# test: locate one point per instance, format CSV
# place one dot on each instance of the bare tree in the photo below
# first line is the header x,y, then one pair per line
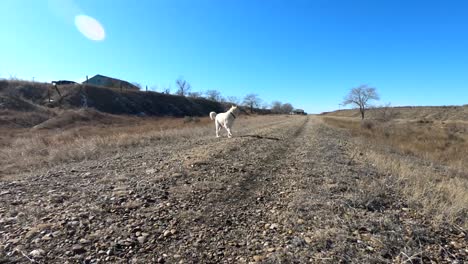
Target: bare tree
x,y
286,108
279,108
167,90
195,94
276,107
214,95
385,112
360,97
183,87
252,101
233,99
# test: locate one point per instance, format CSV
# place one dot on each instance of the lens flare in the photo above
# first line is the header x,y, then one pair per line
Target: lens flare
x,y
90,27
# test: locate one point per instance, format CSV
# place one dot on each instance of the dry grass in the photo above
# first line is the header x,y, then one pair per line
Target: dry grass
x,y
439,113
440,142
27,149
430,159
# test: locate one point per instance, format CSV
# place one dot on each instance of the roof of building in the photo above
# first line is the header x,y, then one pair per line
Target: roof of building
x,y
113,80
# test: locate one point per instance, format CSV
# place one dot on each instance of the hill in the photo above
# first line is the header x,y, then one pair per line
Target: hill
x,y
27,104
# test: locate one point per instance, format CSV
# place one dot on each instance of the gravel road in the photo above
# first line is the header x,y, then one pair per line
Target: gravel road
x,y
283,190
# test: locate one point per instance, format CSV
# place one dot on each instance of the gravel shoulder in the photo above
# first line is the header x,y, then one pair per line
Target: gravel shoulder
x,y
280,191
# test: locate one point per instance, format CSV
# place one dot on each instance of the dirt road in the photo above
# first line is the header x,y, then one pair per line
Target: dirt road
x,y
283,190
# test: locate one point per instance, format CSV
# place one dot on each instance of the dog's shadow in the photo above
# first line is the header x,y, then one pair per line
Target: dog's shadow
x,y
261,137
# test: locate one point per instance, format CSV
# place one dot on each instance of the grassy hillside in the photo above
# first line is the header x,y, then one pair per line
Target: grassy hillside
x,y
137,103
19,95
434,113
27,104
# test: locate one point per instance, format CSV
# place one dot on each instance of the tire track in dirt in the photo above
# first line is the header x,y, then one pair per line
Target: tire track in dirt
x,y
109,194
231,209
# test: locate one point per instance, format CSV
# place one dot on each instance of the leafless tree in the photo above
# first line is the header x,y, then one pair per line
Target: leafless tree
x,y
286,108
214,95
167,90
252,101
385,112
279,108
233,99
360,97
195,94
276,107
183,87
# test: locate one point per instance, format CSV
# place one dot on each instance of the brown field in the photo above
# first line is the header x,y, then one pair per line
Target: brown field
x,y
429,157
94,188
434,113
84,134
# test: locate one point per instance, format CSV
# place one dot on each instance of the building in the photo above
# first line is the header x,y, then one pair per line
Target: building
x,y
101,80
298,112
63,82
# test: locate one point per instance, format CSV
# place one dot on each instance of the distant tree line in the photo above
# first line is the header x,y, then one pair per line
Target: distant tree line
x,y
250,101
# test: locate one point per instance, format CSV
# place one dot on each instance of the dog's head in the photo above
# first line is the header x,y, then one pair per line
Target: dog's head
x,y
234,109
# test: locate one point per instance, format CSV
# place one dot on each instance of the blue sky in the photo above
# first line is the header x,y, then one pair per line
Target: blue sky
x,y
308,53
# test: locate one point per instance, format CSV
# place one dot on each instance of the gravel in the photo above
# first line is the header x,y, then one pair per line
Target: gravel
x,y
282,192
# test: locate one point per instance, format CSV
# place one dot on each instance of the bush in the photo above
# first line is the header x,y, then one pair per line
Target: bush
x,y
188,119
385,113
367,124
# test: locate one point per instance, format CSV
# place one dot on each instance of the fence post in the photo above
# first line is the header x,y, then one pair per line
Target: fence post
x,y
57,89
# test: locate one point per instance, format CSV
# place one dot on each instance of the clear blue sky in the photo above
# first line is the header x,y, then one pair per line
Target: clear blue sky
x,y
308,53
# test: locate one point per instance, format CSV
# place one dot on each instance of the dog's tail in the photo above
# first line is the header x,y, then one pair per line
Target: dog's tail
x,y
212,115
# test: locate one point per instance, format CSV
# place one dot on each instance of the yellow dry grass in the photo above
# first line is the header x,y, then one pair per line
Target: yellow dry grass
x,y
28,149
430,159
440,113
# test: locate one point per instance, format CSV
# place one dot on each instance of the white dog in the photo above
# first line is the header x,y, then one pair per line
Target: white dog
x,y
225,120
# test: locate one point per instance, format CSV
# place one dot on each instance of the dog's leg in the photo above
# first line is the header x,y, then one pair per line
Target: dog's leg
x,y
218,127
229,132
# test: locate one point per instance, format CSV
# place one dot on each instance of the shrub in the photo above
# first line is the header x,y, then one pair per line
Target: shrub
x,y
188,119
367,124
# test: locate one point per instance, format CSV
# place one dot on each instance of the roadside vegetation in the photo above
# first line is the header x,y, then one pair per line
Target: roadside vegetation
x,y
429,158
